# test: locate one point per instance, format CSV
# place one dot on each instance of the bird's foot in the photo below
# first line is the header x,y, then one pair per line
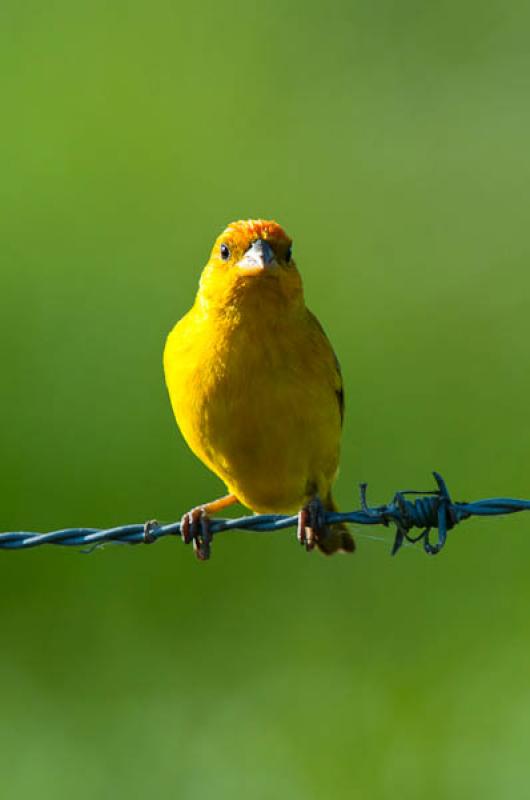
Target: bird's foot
x,y
195,527
311,526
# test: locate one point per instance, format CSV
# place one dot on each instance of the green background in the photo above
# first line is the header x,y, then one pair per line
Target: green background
x,y
391,139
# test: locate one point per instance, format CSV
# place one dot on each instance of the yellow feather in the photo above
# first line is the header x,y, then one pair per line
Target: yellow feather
x,y
253,380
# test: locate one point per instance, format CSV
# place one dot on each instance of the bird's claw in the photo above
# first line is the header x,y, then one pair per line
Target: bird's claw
x,y
311,524
195,526
305,533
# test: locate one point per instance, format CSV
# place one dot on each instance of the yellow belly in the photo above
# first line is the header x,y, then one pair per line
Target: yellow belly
x,y
258,404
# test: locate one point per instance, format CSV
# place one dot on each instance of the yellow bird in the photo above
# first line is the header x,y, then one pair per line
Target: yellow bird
x,y
256,388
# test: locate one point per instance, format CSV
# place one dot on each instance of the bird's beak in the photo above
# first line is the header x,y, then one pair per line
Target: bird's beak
x,y
259,255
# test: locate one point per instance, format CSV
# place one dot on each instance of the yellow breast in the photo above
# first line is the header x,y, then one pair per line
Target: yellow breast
x,y
255,396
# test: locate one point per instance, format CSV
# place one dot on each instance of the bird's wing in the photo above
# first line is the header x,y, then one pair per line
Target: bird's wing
x,y
340,390
339,386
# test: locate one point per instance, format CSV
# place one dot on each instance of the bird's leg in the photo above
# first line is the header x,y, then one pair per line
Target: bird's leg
x,y
311,524
195,525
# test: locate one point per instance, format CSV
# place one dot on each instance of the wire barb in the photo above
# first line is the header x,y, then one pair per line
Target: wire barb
x,y
408,510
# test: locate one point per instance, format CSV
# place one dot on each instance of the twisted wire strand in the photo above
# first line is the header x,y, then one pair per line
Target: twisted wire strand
x,y
408,510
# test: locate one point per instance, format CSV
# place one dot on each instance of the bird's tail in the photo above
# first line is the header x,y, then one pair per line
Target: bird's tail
x,y
338,538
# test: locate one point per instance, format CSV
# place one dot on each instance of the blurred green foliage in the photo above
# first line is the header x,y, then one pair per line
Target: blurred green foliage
x,y
391,140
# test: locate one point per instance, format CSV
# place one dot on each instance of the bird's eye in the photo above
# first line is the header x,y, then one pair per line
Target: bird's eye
x,y
225,252
289,253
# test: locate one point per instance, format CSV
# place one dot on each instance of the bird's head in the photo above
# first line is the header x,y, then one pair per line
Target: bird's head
x,y
251,260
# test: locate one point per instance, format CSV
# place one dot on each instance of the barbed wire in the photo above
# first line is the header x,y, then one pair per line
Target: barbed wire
x,y
408,510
